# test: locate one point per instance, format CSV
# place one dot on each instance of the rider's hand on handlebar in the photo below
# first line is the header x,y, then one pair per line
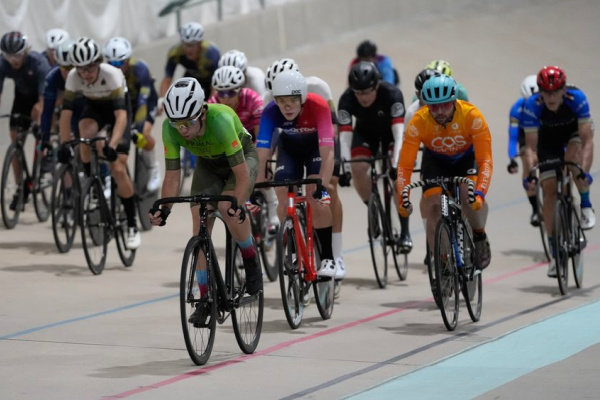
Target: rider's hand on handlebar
x,y
405,212
478,203
109,153
512,167
158,217
345,179
237,212
323,197
65,153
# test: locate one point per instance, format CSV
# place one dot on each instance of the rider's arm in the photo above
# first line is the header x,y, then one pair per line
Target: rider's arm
x,y
263,156
482,144
344,118
386,69
264,139
172,179
322,115
119,128
242,181
408,153
50,97
513,130
530,123
142,73
586,133
397,114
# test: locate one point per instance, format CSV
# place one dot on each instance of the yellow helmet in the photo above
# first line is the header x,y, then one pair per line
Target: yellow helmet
x,y
442,66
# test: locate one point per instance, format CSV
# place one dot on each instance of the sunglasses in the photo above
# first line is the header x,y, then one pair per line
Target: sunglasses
x,y
180,124
15,56
363,92
87,68
117,63
225,94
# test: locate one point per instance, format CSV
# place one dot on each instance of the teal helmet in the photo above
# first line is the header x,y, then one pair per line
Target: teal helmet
x,y
438,89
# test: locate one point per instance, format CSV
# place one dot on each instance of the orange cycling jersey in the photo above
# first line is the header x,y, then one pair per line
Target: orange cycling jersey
x,y
465,133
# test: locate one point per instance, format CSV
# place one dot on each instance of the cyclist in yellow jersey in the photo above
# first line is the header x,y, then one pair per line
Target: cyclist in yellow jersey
x,y
457,142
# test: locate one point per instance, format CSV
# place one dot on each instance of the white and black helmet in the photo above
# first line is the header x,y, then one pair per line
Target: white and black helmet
x,y
234,58
228,78
62,53
191,32
54,37
84,52
290,83
184,99
529,86
117,49
284,64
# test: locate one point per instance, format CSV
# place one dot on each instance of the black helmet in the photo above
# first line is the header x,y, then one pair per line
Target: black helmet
x,y
14,43
363,75
423,76
366,49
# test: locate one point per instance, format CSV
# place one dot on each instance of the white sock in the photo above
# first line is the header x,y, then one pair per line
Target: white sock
x,y
336,244
272,201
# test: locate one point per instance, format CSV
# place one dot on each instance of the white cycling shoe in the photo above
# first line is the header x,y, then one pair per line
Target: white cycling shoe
x,y
327,268
340,272
155,178
134,239
588,218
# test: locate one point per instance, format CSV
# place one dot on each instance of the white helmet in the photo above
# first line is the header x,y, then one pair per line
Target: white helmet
x,y
191,32
184,99
117,49
62,51
85,51
285,64
290,83
228,78
529,86
235,58
54,37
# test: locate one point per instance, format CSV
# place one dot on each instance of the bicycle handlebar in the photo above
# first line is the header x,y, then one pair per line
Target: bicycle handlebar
x,y
556,163
198,198
440,181
289,183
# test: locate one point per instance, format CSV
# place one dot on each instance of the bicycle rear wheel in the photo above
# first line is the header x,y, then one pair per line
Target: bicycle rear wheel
x,y
42,189
93,217
324,288
577,243
290,281
471,283
13,184
247,314
121,228
377,240
447,278
199,338
432,276
266,242
144,198
64,208
562,239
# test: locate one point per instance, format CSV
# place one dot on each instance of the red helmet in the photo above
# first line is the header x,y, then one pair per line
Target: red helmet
x,y
551,78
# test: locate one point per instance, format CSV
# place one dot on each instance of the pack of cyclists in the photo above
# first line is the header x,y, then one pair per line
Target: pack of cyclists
x,y
234,118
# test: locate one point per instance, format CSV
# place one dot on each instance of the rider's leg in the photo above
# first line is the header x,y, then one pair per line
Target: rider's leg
x,y
530,192
574,154
362,178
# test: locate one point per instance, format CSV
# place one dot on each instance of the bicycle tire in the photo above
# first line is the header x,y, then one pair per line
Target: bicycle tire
x,y
144,198
42,189
447,277
431,275
290,280
247,315
561,238
64,214
377,241
577,245
306,286
239,273
394,228
199,339
323,288
472,282
542,226
10,187
265,242
121,229
93,217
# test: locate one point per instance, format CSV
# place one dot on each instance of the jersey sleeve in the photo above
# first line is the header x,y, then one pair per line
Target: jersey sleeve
x,y
513,129
172,61
582,107
397,110
482,143
530,115
408,153
344,113
43,67
171,147
142,73
50,96
267,127
386,69
322,115
255,105
229,139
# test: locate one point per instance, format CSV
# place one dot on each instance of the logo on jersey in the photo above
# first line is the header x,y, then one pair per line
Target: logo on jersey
x,y
454,126
448,143
165,149
344,117
235,143
477,124
397,110
413,131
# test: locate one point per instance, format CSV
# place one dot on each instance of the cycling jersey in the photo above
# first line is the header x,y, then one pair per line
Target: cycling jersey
x,y
109,89
516,135
142,92
255,80
249,109
29,79
410,111
202,69
54,85
466,133
225,138
385,67
314,121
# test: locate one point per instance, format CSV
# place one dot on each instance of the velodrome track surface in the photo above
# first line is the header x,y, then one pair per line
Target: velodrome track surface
x,y
67,334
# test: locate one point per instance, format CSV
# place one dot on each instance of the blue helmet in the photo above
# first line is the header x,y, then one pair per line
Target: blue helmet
x,y
438,89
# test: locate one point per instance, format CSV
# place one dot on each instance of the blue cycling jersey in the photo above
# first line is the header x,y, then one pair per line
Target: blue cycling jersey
x,y
514,128
29,79
54,84
574,109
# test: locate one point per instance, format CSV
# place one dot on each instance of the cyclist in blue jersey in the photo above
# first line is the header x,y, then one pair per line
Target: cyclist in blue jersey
x,y
516,144
28,69
143,97
54,37
367,51
557,123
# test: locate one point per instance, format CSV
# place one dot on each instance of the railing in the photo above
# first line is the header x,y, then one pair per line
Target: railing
x,y
176,6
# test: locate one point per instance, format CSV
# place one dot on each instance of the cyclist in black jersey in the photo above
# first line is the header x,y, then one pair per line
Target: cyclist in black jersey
x,y
378,109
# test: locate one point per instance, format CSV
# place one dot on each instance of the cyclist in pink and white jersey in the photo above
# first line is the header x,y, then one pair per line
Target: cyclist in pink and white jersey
x,y
228,82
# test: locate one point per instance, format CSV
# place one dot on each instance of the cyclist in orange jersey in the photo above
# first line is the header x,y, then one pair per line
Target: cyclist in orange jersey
x,y
457,142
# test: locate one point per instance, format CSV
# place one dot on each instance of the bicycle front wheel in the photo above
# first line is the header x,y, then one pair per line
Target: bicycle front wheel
x,y
377,239
562,239
288,261
64,208
577,245
42,189
12,187
121,230
199,337
446,276
471,277
247,314
93,216
542,226
267,241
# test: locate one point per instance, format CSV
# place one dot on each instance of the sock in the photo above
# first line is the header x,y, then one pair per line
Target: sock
x,y
103,169
202,280
325,235
336,244
404,226
551,244
129,206
585,199
86,168
534,204
479,235
247,249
